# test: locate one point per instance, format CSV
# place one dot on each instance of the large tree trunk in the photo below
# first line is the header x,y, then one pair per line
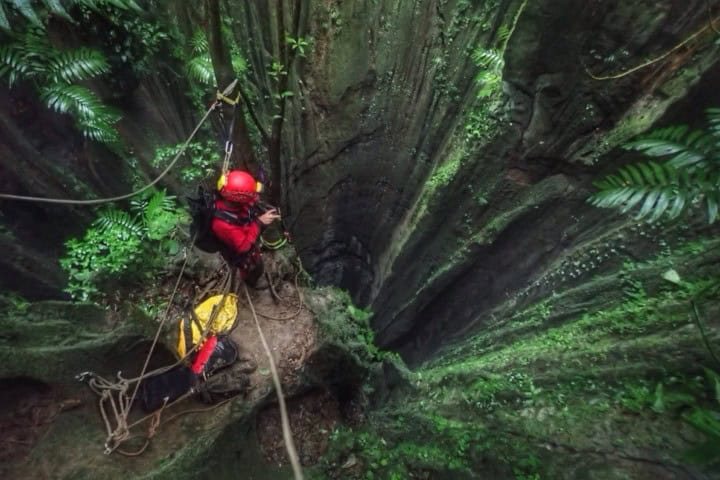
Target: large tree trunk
x,y
243,155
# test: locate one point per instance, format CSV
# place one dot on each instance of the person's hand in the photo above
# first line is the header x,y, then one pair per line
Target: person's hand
x,y
268,217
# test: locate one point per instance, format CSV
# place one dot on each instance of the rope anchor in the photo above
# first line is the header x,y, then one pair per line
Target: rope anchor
x,y
220,96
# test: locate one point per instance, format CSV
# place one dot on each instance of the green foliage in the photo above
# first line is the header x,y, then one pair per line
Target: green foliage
x,y
491,64
72,66
123,246
36,14
32,57
277,70
298,44
204,160
690,175
708,423
130,40
344,324
200,67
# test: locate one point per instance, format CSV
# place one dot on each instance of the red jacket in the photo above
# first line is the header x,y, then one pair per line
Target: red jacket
x,y
240,237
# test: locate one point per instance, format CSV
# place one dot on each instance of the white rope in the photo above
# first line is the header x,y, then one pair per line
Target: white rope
x,y
284,420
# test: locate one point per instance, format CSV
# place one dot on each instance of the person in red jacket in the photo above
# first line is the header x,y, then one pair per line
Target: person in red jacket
x,y
237,225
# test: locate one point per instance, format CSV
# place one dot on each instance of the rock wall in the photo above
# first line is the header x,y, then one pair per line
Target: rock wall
x,y
412,193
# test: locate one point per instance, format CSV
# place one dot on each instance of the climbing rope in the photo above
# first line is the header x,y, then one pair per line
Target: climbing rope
x,y
284,420
656,59
301,302
97,201
115,403
114,395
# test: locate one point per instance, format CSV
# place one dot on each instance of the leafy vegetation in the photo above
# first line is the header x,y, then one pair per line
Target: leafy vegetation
x,y
53,72
36,11
298,45
342,322
204,158
689,177
123,246
200,66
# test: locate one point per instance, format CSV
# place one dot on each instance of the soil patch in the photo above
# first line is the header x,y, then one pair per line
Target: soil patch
x,y
312,419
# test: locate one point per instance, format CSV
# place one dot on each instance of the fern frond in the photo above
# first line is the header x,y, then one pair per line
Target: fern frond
x,y
100,129
712,200
4,23
98,4
119,220
12,62
71,99
713,115
199,43
56,7
503,33
656,189
239,64
200,69
688,148
96,120
27,10
75,65
488,59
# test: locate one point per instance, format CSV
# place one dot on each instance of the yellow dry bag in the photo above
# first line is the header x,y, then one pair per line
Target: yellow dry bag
x,y
192,325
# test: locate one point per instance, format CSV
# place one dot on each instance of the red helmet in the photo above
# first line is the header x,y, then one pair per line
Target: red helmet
x,y
239,186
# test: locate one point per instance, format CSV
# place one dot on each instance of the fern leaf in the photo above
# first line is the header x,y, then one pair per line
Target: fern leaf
x,y
660,207
239,64
713,115
99,129
200,69
121,4
678,205
711,202
3,18
503,33
119,220
659,172
689,148
26,9
71,98
56,7
12,62
488,59
657,189
199,43
648,174
649,204
75,65
635,174
637,195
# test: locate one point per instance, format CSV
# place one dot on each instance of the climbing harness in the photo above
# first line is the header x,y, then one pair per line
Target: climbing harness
x,y
97,201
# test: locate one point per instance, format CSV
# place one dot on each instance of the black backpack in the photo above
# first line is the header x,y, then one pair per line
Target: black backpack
x,y
202,211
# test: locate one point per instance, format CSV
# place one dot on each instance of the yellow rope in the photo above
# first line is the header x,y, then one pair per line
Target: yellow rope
x,y
136,192
284,420
654,60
